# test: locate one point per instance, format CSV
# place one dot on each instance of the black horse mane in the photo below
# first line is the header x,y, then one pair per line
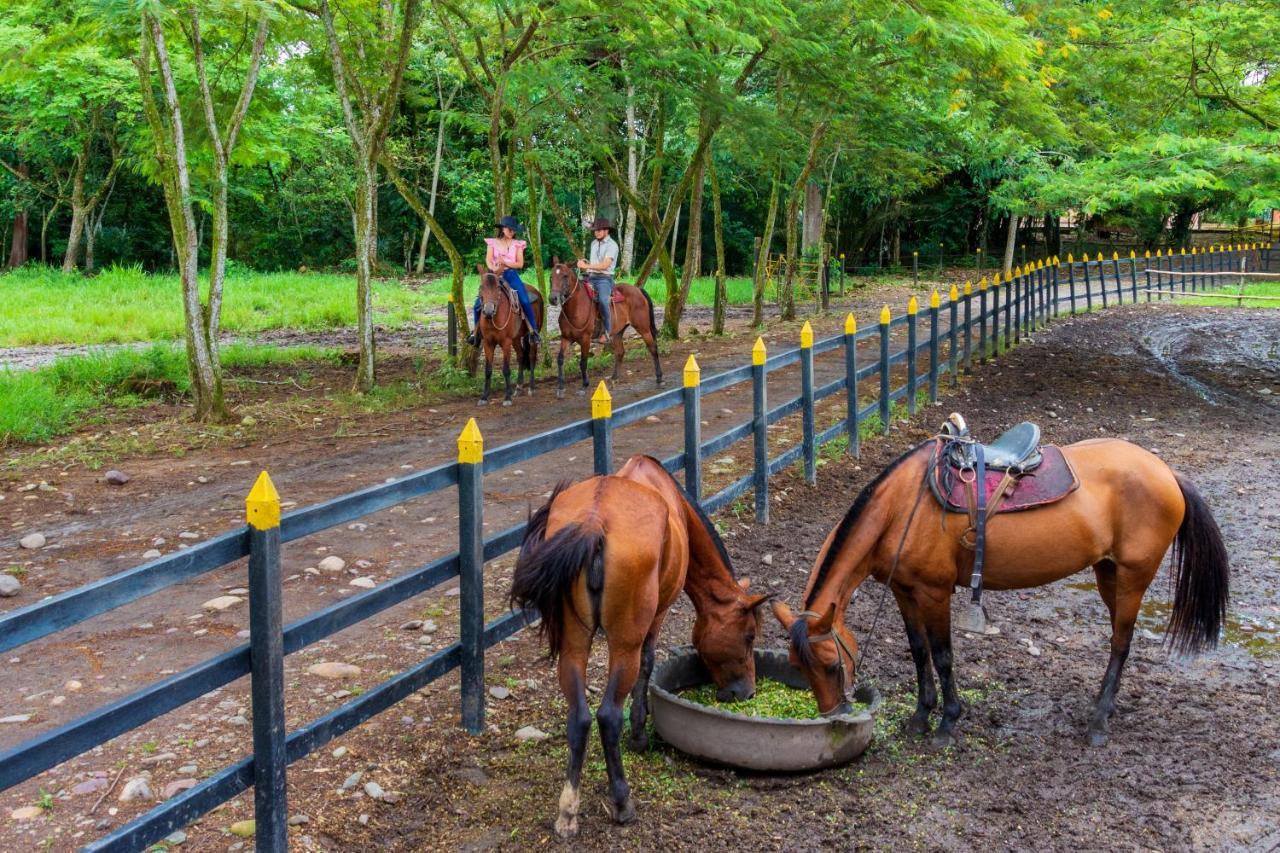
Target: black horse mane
x,y
702,516
850,519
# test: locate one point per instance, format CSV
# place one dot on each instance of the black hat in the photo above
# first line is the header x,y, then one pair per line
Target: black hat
x,y
602,223
510,222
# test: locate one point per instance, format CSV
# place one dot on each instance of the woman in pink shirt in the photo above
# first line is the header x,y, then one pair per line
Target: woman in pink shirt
x,y
506,253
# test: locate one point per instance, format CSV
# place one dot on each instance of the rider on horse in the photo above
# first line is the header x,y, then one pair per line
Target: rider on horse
x,y
599,270
506,253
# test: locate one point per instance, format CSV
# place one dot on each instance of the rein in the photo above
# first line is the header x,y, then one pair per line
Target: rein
x,y
511,297
564,300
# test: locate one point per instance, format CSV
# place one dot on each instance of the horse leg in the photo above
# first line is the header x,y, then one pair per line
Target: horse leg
x,y
564,345
937,620
506,371
584,352
639,739
651,342
624,667
918,640
488,372
531,354
573,683
619,352
1121,589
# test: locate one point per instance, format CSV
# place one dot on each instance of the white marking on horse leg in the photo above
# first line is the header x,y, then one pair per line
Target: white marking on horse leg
x,y
567,822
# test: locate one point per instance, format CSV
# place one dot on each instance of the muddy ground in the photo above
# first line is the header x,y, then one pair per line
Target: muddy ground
x,y
1193,762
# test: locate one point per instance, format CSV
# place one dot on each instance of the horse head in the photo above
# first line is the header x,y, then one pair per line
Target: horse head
x,y
490,291
564,277
825,651
724,633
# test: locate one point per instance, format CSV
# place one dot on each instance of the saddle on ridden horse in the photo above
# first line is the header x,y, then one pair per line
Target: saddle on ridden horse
x,y
1013,473
616,296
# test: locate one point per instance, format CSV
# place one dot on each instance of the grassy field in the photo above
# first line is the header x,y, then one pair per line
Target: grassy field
x,y
37,405
124,304
1257,288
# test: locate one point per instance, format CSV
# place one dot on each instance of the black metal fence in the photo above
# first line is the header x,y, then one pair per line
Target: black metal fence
x,y
971,323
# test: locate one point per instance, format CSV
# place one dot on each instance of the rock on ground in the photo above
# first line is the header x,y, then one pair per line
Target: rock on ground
x,y
222,602
137,788
334,669
9,586
333,564
33,541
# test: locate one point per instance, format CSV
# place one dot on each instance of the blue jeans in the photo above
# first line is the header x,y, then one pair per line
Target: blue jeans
x,y
512,278
604,294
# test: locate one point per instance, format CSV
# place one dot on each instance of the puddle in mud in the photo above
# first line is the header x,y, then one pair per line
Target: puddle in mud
x,y
1256,635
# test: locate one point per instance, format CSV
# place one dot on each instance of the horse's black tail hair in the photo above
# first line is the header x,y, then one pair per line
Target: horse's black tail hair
x,y
653,320
1200,575
547,569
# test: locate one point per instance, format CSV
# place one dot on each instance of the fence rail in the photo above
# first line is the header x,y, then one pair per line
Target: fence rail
x,y
1000,312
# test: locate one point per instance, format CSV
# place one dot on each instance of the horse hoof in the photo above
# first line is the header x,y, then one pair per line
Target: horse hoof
x,y
566,827
942,740
582,392
1097,738
560,395
621,814
639,743
506,403
482,402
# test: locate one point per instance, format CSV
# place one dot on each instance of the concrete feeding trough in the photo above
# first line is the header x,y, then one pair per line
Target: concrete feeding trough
x,y
755,743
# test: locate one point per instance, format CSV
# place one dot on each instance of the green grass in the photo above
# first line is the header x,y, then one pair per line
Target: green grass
x,y
40,305
1257,288
37,405
124,304
772,699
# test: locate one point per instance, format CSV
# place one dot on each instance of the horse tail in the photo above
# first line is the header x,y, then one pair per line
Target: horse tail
x,y
1200,574
547,570
653,320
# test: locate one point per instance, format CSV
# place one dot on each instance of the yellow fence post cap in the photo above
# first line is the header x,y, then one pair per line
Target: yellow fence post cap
x,y
1115,256
450,297
806,335
934,299
995,278
262,504
1183,250
692,373
1132,253
913,305
968,288
982,283
885,316
758,352
1146,253
471,443
953,294
1070,259
601,402
850,324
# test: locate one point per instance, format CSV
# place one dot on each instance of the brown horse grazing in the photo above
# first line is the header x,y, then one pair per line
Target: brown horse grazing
x,y
502,325
611,554
1127,511
579,314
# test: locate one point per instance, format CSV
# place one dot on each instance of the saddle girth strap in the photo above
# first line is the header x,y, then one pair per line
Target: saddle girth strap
x,y
979,506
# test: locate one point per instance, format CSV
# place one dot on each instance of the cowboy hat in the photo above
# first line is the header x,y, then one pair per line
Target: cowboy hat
x,y
510,222
602,224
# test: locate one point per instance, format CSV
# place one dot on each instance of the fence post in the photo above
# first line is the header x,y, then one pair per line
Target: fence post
x,y
1102,279
913,306
915,268
1146,257
760,430
884,368
1055,271
602,431
809,443
995,314
1071,280
693,429
934,303
452,333
954,295
851,384
1088,285
1133,276
980,259
471,574
1182,267
982,320
266,660
968,327
1008,311
1016,281
1042,294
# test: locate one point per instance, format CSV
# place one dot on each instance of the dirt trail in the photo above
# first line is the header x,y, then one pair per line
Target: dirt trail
x,y
1193,761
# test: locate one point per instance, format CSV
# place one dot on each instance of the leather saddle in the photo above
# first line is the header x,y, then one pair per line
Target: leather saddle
x,y
1020,473
614,297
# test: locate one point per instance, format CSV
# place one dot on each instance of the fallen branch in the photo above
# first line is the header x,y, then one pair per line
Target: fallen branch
x,y
111,788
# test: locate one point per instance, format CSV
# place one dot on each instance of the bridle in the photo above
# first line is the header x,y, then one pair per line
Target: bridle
x,y
503,290
842,650
564,300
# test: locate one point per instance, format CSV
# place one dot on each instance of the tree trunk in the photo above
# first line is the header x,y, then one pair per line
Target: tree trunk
x,y
692,241
73,238
606,197
633,181
762,259
535,215
21,226
435,172
1010,243
49,213
495,153
366,240
812,219
718,302
788,299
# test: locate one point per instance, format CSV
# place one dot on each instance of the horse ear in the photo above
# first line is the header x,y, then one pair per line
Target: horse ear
x,y
555,260
782,613
754,601
480,269
745,583
823,625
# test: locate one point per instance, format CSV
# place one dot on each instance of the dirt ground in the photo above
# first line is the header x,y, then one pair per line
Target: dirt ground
x,y
1193,762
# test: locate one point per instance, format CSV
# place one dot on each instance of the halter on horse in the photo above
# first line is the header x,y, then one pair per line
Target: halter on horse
x,y
502,325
